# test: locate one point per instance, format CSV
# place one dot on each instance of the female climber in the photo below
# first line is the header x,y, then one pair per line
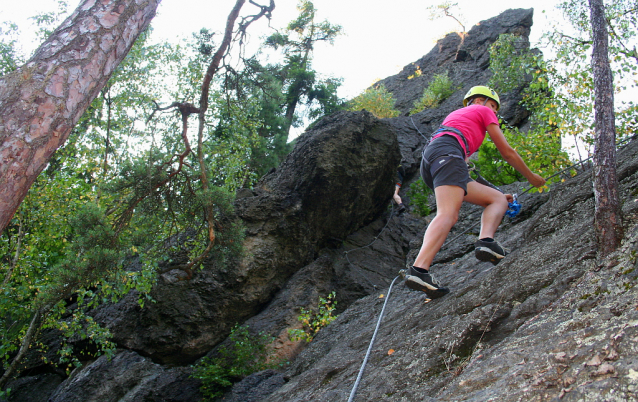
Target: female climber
x,y
444,169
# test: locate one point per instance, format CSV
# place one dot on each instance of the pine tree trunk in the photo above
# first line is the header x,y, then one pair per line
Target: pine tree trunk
x,y
608,214
42,101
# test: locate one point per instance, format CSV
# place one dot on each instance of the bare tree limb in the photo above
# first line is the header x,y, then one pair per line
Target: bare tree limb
x,y
16,254
26,342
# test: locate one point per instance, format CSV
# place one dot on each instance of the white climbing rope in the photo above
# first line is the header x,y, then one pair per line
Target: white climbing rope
x,y
374,335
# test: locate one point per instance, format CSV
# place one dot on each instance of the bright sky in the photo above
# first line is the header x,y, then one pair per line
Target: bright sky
x,y
378,40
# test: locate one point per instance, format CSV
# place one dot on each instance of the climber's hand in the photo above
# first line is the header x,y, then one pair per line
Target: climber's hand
x,y
537,181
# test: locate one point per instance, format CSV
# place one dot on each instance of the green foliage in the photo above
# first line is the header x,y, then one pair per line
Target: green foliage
x,y
325,94
128,184
512,63
106,195
33,248
439,89
184,224
376,100
540,150
299,82
230,230
570,73
419,196
560,91
80,327
256,97
515,67
81,265
9,57
313,321
246,354
272,98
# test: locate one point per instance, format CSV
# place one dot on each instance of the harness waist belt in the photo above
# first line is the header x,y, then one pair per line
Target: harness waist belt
x,y
458,132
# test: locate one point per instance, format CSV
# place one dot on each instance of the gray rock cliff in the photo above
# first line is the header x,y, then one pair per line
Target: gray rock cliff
x,y
550,322
338,178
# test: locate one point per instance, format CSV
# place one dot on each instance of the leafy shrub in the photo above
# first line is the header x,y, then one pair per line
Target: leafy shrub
x,y
417,72
515,66
419,195
511,61
439,89
376,100
313,322
540,150
247,354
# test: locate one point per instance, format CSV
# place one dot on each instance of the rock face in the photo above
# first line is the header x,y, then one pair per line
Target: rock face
x,y
550,321
339,177
465,59
127,377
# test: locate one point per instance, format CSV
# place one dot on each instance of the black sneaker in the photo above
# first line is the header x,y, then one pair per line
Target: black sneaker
x,y
425,283
489,251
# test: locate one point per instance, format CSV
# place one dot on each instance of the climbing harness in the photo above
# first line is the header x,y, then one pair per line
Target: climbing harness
x,y
447,129
442,129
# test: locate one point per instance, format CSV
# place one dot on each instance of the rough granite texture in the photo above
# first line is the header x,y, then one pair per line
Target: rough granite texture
x,y
549,322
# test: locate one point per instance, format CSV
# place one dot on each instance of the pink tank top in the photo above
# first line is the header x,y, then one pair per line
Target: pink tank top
x,y
472,121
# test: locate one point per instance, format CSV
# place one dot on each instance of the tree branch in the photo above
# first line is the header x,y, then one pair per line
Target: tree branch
x,y
26,342
16,255
627,52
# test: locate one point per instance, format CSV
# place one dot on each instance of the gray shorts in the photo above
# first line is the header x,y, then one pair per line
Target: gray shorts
x,y
443,164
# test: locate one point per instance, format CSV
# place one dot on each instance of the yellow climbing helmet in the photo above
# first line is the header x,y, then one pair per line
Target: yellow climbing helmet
x,y
481,90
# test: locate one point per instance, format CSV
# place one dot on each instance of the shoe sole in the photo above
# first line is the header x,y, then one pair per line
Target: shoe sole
x,y
488,255
415,283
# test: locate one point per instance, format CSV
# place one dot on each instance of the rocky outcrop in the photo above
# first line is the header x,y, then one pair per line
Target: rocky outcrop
x,y
338,178
550,322
254,387
464,57
127,377
371,257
